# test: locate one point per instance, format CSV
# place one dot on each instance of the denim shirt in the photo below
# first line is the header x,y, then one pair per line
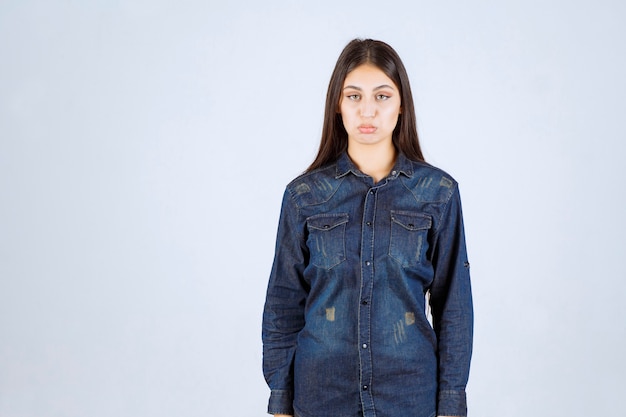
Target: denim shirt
x,y
345,329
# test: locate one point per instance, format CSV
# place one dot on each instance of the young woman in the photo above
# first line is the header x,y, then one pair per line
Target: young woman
x,y
366,235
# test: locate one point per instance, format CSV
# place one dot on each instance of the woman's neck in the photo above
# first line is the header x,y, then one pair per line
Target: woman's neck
x,y
373,160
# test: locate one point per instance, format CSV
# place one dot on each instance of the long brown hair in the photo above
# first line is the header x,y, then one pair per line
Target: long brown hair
x,y
334,136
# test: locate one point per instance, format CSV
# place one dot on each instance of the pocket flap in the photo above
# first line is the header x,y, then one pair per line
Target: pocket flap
x,y
410,220
327,221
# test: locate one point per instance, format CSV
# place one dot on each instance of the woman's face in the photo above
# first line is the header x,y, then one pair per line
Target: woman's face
x,y
369,106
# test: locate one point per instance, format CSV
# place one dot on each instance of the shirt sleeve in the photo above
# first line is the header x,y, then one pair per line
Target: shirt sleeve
x,y
283,315
452,310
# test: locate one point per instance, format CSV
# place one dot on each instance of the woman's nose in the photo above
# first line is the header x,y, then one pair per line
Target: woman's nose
x,y
368,109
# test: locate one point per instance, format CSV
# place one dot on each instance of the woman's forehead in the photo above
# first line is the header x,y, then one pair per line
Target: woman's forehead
x,y
368,76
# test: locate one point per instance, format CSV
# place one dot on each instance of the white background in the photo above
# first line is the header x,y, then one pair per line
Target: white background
x,y
145,146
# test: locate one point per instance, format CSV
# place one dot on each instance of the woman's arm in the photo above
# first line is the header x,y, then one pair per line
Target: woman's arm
x,y
283,315
451,303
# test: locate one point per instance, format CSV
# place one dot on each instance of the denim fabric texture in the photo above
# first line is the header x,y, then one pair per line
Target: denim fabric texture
x,y
345,333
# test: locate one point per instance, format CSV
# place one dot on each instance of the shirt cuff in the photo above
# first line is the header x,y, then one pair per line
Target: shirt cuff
x,y
281,402
452,403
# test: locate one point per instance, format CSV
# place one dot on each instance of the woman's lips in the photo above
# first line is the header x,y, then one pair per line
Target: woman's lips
x,y
367,129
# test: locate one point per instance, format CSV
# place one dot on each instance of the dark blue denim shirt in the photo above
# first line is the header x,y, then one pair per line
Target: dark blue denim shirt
x,y
345,332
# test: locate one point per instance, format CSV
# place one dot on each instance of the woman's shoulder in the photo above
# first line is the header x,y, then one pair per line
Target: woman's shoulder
x,y
313,187
425,168
429,182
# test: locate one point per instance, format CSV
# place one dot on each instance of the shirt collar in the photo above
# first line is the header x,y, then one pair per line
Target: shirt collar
x,y
345,165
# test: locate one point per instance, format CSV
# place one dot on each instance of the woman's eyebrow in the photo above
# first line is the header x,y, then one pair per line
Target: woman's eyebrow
x,y
380,87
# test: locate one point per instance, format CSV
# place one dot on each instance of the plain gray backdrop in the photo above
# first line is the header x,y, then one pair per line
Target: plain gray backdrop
x,y
144,150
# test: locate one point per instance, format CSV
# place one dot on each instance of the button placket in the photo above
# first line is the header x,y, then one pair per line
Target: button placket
x,y
367,280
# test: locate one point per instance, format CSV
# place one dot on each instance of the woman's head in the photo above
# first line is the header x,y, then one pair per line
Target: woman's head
x,y
380,55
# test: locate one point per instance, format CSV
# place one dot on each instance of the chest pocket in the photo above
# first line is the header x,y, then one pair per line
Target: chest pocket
x,y
326,241
409,237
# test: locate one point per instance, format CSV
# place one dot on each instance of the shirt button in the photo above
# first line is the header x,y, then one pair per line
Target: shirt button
x,y
364,345
364,387
364,302
369,223
394,172
372,191
368,263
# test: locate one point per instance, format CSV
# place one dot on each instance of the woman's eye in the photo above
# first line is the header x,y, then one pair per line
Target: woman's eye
x,y
353,97
381,97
